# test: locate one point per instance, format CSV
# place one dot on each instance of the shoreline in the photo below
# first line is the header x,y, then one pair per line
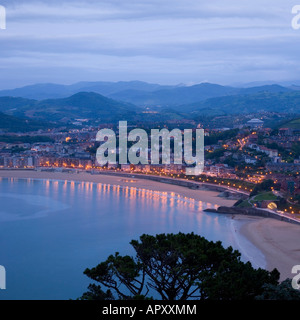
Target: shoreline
x,y
208,196
276,240
249,250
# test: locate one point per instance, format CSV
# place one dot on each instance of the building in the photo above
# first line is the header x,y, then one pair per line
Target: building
x,y
253,138
255,123
289,131
250,160
272,153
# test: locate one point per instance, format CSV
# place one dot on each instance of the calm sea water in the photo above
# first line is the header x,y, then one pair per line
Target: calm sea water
x,y
50,231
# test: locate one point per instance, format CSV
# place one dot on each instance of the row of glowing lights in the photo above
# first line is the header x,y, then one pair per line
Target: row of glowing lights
x,y
134,191
162,171
249,178
89,185
292,211
229,184
253,180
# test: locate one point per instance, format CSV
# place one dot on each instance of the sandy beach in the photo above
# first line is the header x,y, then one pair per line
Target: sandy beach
x,y
199,195
277,240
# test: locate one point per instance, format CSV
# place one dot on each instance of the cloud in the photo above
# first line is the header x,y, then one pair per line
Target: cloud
x,y
134,10
163,41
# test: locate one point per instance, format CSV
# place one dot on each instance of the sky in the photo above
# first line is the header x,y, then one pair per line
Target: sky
x,y
159,41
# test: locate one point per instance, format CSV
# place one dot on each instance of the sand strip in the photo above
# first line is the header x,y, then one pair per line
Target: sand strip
x,y
279,241
199,195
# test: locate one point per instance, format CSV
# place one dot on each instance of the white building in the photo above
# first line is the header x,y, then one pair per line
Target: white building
x,y
255,123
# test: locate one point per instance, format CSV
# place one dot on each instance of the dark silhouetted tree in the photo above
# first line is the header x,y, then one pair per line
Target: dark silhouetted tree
x,y
283,291
179,267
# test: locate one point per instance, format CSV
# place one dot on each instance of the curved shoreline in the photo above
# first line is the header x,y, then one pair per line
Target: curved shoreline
x,y
208,196
251,251
156,178
276,240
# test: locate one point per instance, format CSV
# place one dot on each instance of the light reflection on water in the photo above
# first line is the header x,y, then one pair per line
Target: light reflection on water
x,y
84,222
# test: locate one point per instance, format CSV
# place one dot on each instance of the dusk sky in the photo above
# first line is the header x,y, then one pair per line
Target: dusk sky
x,y
159,41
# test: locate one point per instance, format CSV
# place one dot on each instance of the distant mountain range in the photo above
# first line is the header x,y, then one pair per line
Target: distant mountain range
x,y
140,93
55,91
174,97
114,101
284,102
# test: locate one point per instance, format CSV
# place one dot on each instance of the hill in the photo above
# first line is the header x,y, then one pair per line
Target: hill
x,y
81,105
284,102
140,93
174,96
39,91
182,95
294,124
56,91
14,124
85,105
11,104
167,103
